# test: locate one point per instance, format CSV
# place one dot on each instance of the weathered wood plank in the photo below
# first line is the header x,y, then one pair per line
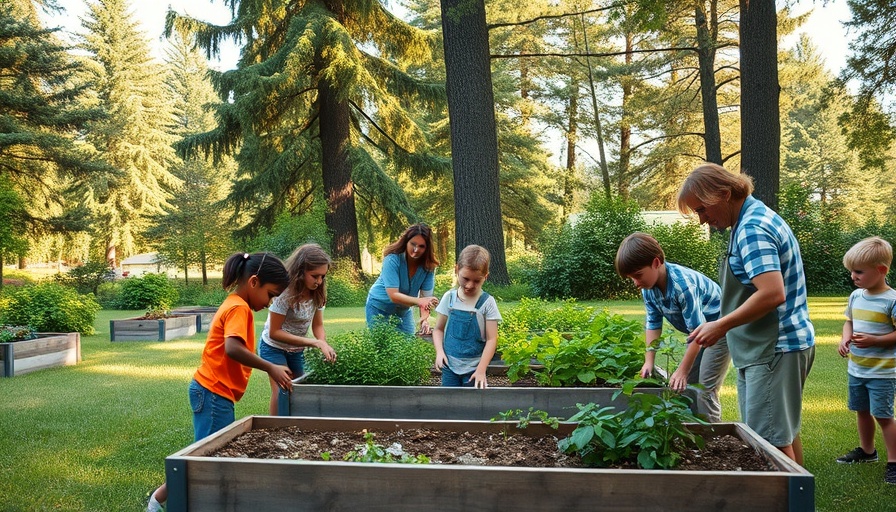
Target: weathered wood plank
x,y
49,350
234,484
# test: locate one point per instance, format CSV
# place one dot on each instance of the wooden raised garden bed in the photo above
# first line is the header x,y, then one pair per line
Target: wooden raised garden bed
x,y
436,402
162,329
204,315
200,482
45,351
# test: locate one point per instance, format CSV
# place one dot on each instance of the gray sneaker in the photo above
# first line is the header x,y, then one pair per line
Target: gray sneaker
x,y
858,455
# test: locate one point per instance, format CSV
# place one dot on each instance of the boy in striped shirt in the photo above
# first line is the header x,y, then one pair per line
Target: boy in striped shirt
x,y
869,340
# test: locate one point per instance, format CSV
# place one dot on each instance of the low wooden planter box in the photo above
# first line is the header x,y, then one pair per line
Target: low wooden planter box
x,y
198,482
46,351
163,329
204,315
436,402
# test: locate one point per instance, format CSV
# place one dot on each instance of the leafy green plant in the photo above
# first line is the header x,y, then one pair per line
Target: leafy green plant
x,y
523,418
651,432
9,333
50,307
372,452
150,291
535,314
609,351
381,355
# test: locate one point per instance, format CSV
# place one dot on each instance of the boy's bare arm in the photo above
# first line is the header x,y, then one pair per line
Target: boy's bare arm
x,y
845,339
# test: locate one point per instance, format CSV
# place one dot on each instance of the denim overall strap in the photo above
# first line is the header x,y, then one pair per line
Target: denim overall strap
x,y
754,342
463,338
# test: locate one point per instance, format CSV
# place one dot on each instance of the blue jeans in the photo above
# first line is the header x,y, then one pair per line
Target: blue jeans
x,y
453,380
211,412
376,313
295,361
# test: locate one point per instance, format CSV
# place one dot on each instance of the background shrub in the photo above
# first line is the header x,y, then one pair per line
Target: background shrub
x,y
686,243
290,231
198,294
382,355
88,277
346,287
578,257
150,291
50,307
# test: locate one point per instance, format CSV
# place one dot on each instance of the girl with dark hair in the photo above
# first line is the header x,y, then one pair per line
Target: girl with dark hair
x,y
229,353
407,280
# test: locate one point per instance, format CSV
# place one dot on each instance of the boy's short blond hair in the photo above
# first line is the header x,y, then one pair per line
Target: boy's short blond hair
x,y
637,251
873,251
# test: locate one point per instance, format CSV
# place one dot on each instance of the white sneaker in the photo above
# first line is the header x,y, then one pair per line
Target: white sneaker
x,y
153,505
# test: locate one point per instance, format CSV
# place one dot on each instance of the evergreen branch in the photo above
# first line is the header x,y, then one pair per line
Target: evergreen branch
x,y
552,17
603,54
668,136
377,126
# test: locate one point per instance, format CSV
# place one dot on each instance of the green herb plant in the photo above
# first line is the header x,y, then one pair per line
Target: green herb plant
x,y
378,356
650,432
609,351
373,452
524,418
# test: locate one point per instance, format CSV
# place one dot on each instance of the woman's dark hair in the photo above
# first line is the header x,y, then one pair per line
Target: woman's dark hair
x,y
399,246
241,266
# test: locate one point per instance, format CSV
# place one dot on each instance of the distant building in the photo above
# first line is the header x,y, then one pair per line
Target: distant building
x,y
145,263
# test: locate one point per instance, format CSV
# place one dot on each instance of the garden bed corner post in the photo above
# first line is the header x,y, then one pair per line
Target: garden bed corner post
x,y
176,478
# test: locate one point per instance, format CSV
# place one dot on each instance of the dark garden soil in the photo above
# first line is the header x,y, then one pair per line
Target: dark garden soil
x,y
726,453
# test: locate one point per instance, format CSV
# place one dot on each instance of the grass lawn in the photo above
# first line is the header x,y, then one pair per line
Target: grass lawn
x,y
93,437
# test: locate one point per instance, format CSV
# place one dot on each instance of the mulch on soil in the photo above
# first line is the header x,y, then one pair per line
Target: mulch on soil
x,y
725,453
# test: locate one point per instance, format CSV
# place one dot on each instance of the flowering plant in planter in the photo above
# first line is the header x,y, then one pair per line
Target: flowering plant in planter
x,y
9,333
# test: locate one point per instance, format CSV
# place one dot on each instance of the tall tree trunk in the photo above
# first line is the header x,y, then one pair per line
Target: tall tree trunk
x,y
604,169
110,254
186,267
625,127
474,139
203,257
525,85
707,33
760,124
572,134
337,174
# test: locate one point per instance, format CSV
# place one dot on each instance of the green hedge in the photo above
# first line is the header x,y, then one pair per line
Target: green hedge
x,y
49,307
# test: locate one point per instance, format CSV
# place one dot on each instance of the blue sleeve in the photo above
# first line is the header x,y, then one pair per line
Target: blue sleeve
x,y
691,308
389,274
654,320
429,282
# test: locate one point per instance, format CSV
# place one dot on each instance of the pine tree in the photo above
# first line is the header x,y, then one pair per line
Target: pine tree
x,y
321,102
40,120
194,226
134,138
